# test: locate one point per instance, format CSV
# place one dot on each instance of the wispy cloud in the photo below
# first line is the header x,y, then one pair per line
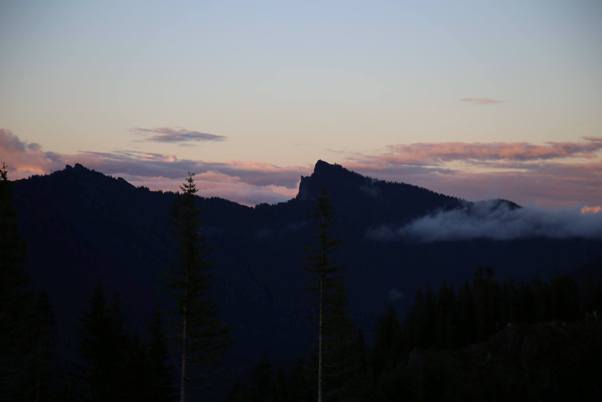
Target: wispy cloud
x,y
176,135
437,153
144,164
481,101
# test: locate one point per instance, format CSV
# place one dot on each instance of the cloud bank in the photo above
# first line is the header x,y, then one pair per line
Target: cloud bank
x,y
476,152
553,174
26,159
496,222
176,135
244,182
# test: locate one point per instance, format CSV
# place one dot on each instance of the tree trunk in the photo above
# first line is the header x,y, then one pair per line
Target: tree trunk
x,y
184,357
321,328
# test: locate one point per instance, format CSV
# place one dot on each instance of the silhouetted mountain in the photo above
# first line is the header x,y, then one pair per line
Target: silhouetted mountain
x,y
367,201
82,227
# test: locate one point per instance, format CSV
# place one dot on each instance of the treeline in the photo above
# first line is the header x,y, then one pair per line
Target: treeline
x,y
484,341
450,318
116,364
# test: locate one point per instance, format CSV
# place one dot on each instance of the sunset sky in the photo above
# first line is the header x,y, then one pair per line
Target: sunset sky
x,y
478,99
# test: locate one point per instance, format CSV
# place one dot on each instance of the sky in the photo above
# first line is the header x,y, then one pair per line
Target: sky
x,y
478,99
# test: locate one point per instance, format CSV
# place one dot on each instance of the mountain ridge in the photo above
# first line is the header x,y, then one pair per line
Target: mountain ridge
x,y
83,228
324,175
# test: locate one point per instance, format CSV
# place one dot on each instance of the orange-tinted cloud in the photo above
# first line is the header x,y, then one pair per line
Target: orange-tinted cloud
x,y
591,210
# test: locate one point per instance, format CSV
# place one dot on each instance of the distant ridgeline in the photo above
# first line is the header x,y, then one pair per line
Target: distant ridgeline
x,y
82,228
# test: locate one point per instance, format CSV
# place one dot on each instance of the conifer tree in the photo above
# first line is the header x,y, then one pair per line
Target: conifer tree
x,y
13,280
202,337
17,303
260,388
103,346
337,362
387,345
43,358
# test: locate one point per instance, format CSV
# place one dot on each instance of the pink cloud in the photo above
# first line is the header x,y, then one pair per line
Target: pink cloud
x,y
437,153
550,183
214,184
550,174
26,159
245,182
545,185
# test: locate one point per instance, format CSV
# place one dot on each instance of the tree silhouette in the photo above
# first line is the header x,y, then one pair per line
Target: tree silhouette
x,y
203,338
26,322
103,346
337,357
43,363
387,345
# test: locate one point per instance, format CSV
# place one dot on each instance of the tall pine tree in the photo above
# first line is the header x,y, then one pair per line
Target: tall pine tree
x,y
104,347
387,344
202,337
43,353
338,359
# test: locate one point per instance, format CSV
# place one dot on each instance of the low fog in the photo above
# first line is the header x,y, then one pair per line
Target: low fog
x,y
497,221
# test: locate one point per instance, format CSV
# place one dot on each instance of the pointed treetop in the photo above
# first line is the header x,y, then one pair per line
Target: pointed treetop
x,y
189,187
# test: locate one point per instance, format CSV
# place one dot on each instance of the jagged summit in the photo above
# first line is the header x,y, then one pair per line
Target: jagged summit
x,y
333,173
85,179
332,177
322,166
77,166
79,170
362,198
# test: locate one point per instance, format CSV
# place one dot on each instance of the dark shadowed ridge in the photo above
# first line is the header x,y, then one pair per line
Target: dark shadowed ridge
x,y
339,180
363,201
82,227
